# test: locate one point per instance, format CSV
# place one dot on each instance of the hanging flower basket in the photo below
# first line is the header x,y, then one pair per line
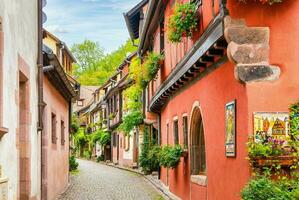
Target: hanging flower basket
x,y
183,22
283,161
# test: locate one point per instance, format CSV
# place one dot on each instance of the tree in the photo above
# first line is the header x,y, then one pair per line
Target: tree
x,y
88,55
94,68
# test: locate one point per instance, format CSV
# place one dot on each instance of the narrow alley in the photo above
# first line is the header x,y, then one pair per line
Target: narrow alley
x,y
96,181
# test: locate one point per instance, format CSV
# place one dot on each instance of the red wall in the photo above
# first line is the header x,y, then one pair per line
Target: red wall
x,y
227,176
212,92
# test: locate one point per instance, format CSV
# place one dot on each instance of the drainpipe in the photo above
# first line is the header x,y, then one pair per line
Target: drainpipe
x,y
69,126
223,9
40,87
40,67
159,140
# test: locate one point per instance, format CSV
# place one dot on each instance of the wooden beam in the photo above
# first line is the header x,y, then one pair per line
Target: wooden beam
x,y
215,52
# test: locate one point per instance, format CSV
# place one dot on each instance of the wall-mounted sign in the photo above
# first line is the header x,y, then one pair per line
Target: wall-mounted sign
x,y
275,124
230,129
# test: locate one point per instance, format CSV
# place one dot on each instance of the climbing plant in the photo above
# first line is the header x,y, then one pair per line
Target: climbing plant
x,y
150,152
151,65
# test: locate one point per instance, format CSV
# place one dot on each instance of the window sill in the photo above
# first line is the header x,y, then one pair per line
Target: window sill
x,y
3,131
201,180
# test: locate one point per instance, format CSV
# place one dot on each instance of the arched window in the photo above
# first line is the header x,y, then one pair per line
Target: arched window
x,y
198,152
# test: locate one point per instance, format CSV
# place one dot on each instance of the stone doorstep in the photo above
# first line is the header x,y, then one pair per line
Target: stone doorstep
x,y
154,181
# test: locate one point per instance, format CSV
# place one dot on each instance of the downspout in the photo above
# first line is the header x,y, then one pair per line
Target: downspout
x,y
69,130
159,140
40,87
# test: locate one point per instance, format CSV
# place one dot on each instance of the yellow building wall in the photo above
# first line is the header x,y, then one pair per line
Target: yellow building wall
x,y
51,43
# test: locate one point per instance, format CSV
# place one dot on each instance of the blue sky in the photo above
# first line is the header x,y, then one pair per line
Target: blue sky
x,y
99,20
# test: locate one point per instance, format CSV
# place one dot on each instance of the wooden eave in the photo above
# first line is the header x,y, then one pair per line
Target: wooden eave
x,y
206,51
132,19
58,78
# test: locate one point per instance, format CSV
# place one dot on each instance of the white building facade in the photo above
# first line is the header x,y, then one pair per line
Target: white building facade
x,y
20,160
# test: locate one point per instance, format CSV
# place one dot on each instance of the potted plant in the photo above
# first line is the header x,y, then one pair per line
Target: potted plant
x,y
170,156
183,22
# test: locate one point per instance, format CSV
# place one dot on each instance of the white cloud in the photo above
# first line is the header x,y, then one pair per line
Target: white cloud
x,y
98,20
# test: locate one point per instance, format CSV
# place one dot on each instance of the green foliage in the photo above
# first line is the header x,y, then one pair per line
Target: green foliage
x,y
294,126
100,136
263,188
88,55
270,148
74,124
80,138
100,158
87,154
132,97
105,138
149,157
73,164
170,156
183,22
94,67
131,120
151,65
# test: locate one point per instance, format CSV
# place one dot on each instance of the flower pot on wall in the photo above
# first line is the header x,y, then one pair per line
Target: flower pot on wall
x,y
283,161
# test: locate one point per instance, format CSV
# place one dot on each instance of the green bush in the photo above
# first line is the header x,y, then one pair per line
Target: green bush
x,y
100,158
149,156
170,156
263,188
131,120
105,138
87,154
73,164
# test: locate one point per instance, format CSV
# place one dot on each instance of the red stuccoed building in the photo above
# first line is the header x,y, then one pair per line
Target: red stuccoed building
x,y
240,61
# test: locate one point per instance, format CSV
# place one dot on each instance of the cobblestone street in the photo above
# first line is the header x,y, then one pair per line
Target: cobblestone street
x,y
100,182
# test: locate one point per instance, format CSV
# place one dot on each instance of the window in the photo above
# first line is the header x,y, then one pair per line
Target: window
x,y
115,103
54,138
80,103
176,132
62,127
185,131
198,153
167,133
162,34
114,139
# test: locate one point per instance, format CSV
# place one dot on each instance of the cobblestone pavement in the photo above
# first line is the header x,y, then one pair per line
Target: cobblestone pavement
x,y
100,182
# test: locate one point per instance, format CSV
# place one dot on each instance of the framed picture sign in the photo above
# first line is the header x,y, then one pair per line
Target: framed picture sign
x,y
270,124
230,129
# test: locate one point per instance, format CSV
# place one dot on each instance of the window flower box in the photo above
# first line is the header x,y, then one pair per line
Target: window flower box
x,y
283,161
